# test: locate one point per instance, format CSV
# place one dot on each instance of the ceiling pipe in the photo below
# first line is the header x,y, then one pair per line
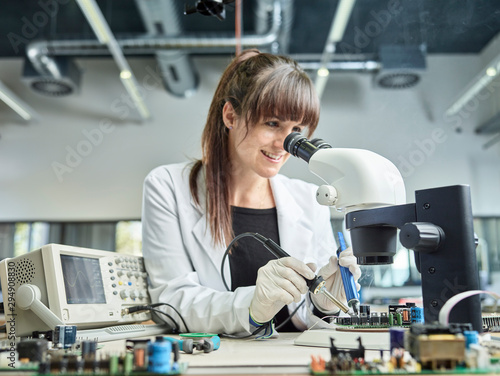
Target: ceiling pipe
x,y
40,52
351,66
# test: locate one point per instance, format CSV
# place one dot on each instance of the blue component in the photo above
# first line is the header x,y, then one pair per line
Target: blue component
x,y
397,338
351,292
160,356
416,314
471,337
65,335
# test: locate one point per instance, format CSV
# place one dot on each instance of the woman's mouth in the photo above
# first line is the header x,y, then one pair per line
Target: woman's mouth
x,y
273,157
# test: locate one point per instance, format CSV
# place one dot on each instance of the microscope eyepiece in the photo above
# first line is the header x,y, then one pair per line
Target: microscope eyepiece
x,y
299,146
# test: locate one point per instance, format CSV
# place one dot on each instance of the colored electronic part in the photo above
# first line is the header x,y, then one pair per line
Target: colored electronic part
x,y
160,356
433,349
436,347
64,336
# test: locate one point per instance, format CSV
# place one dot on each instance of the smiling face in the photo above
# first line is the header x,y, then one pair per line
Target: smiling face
x,y
258,149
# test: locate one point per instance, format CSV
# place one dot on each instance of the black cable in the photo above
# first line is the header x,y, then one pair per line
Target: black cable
x,y
177,327
176,311
271,247
150,307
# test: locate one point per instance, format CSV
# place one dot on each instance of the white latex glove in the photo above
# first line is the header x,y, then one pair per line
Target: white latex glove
x,y
331,274
279,282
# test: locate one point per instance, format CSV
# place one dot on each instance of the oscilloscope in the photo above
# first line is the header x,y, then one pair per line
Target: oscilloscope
x,y
72,286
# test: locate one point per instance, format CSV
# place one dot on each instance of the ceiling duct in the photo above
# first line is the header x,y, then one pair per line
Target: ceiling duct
x,y
58,76
175,66
400,66
41,53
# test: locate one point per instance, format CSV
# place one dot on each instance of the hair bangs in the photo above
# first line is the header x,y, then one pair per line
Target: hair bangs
x,y
289,96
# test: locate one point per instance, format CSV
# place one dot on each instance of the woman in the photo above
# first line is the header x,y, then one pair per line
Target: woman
x,y
191,212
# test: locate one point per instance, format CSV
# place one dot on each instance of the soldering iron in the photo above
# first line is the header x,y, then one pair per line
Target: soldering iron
x,y
351,292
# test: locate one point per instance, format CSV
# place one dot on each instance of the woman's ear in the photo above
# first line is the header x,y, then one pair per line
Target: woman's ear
x,y
229,115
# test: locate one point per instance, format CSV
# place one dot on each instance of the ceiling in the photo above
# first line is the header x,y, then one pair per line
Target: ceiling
x,y
444,26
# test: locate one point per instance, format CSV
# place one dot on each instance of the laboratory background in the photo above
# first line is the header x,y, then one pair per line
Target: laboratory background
x,y
84,118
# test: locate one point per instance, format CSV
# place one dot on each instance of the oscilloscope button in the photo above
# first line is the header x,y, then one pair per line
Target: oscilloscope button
x,y
113,285
110,263
112,277
115,292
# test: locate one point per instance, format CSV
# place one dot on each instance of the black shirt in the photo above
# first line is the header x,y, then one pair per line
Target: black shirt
x,y
248,255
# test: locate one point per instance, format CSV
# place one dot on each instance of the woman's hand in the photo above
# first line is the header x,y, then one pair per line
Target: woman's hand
x,y
279,282
331,274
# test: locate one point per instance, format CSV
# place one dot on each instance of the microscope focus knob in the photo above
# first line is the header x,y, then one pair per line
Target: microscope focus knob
x,y
326,195
421,236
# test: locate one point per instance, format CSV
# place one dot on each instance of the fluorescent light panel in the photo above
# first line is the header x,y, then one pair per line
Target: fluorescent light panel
x,y
337,30
11,100
482,80
101,29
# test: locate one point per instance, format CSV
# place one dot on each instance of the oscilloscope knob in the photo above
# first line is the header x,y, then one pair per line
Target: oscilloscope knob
x,y
120,273
124,294
130,274
134,294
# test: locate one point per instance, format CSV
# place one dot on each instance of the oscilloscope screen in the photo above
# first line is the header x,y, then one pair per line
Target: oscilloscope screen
x,y
82,280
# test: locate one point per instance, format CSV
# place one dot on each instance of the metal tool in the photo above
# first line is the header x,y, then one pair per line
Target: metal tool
x,y
351,292
316,285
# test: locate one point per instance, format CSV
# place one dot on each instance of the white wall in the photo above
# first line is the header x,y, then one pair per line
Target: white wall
x,y
407,126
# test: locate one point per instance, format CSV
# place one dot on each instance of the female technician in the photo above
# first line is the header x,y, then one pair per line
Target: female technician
x,y
192,211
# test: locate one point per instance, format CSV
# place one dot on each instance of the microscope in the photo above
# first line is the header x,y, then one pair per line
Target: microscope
x,y
438,227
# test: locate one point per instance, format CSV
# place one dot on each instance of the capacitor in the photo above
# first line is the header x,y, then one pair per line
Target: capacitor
x,y
160,356
471,337
397,336
89,349
417,314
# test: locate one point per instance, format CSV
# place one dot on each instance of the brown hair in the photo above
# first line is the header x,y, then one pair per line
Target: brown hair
x,y
258,85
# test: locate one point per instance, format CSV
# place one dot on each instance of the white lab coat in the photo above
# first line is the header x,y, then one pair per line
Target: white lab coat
x,y
184,265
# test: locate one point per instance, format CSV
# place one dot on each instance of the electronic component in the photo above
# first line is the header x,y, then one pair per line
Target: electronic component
x,y
436,347
64,336
38,357
63,285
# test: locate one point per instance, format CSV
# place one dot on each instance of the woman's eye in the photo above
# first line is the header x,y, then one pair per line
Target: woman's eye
x,y
297,129
272,123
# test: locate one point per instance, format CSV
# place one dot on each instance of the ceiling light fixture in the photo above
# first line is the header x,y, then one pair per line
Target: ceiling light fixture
x,y
101,28
337,29
17,104
481,81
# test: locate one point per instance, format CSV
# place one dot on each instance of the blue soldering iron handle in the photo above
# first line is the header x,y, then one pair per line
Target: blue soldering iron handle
x,y
351,291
